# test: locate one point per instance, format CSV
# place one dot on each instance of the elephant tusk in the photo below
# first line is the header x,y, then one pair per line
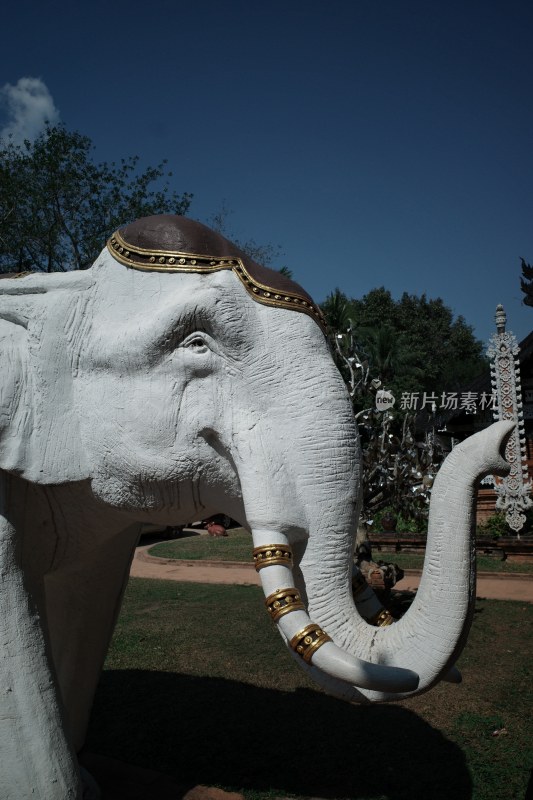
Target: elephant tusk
x,y
310,641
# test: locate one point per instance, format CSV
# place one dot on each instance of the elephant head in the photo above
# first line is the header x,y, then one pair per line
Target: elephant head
x,y
176,377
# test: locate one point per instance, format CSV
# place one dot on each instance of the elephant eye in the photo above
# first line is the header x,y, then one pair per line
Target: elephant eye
x,y
196,343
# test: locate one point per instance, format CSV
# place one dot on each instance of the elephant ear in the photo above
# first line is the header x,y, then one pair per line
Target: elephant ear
x,y
40,320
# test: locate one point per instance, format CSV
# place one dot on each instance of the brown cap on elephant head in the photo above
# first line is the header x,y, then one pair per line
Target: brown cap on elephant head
x,y
170,243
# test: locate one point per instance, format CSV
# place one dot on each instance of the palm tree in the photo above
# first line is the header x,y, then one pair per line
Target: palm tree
x,y
336,308
388,355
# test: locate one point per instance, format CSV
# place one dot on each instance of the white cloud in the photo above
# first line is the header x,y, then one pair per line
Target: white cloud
x,y
29,106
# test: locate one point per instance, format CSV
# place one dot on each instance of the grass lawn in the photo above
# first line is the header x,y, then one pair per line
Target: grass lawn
x,y
198,685
238,547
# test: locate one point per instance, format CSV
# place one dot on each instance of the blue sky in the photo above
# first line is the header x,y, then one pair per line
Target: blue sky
x,y
377,143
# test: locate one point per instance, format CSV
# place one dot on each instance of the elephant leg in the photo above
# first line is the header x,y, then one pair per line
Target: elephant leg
x,y
82,605
38,761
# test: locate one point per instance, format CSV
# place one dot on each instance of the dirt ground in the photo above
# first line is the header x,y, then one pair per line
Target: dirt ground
x,y
489,586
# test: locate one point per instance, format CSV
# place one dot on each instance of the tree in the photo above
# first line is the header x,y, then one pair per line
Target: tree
x,y
443,350
58,207
285,271
264,254
526,282
412,344
387,355
338,311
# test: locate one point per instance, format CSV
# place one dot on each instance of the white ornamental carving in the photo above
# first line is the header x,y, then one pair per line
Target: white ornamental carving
x,y
514,491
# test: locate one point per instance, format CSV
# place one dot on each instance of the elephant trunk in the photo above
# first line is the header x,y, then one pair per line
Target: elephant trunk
x,y
312,478
309,641
314,608
299,463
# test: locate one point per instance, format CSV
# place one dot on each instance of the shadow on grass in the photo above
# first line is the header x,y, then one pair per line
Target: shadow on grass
x,y
220,732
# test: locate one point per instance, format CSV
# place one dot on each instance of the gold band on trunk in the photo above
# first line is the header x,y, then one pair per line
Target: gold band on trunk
x,y
283,601
270,555
308,641
381,619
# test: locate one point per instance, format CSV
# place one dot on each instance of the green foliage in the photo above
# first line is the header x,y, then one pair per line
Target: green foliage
x,y
404,522
285,271
494,526
526,282
264,254
338,312
411,344
58,207
385,352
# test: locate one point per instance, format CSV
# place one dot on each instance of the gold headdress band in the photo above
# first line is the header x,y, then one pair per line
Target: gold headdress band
x,y
174,261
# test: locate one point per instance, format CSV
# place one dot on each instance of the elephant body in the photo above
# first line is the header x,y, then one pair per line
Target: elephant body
x,y
143,391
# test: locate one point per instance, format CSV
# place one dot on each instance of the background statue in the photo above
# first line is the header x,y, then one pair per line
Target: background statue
x,y
177,379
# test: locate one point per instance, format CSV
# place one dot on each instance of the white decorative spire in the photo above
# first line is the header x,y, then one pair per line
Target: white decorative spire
x,y
513,492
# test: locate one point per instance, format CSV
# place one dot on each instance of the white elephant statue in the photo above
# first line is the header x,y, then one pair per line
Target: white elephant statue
x,y
177,379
